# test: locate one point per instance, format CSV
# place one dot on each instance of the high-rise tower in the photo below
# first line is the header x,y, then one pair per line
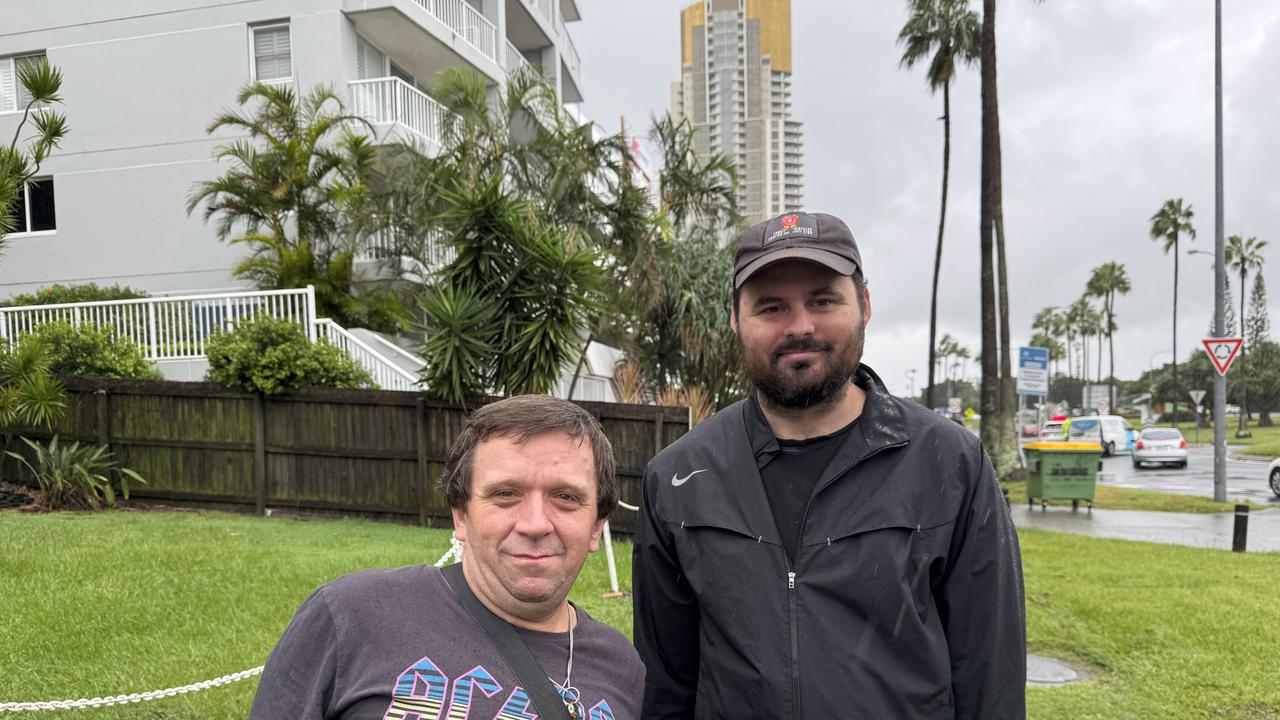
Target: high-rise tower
x,y
735,89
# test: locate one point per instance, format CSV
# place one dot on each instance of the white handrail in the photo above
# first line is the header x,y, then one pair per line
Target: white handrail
x,y
386,374
568,49
467,22
390,100
515,60
166,328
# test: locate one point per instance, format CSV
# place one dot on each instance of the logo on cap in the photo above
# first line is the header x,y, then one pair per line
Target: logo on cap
x,y
789,222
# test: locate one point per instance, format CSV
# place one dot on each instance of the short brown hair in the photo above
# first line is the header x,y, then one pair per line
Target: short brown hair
x,y
520,418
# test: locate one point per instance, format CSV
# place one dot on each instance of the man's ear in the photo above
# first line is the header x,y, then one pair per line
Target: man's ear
x,y
460,523
733,318
595,534
866,307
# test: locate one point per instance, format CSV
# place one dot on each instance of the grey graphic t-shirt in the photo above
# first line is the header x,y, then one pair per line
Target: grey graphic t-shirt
x,y
396,645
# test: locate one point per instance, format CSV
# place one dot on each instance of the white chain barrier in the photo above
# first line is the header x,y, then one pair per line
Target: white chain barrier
x,y
453,554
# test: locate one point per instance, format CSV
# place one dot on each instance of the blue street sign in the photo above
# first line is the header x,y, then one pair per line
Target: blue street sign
x,y
1033,371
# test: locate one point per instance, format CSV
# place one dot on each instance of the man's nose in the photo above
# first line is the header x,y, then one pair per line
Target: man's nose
x,y
533,518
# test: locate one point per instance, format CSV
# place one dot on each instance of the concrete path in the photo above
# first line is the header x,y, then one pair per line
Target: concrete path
x,y
1195,530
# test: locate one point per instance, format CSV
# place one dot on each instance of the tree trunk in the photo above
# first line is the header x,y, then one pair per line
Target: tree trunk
x,y
582,360
1111,343
942,221
995,433
1177,391
1243,427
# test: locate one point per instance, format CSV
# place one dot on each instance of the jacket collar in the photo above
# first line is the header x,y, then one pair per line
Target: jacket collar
x,y
880,425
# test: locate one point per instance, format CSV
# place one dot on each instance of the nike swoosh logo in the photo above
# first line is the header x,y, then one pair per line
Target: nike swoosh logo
x,y
677,481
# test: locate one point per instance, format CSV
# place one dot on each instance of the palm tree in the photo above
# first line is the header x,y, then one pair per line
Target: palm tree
x,y
30,396
297,195
691,189
1105,282
1168,225
1243,255
944,31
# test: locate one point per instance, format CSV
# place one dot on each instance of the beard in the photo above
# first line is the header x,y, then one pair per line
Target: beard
x,y
795,384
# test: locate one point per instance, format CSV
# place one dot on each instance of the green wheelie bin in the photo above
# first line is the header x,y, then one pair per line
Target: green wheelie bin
x,y
1062,471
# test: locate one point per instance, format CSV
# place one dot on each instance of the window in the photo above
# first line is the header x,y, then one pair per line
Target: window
x,y
13,96
272,55
33,209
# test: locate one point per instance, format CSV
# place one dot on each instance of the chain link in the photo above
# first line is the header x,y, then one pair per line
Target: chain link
x,y
454,553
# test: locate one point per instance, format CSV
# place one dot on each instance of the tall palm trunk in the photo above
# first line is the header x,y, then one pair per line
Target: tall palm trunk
x,y
1177,391
942,221
993,425
1244,366
1111,343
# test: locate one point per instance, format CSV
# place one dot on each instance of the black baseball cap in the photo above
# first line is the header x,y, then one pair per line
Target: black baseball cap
x,y
816,237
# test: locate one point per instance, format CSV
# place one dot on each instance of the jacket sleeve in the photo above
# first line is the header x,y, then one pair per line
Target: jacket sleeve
x,y
666,616
982,607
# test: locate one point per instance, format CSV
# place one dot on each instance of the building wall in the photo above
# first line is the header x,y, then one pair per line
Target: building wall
x,y
140,88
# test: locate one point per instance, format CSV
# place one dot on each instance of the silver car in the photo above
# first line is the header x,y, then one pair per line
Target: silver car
x,y
1161,446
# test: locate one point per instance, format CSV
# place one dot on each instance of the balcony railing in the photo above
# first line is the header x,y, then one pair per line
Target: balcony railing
x,y
469,24
567,48
382,245
386,101
542,8
515,60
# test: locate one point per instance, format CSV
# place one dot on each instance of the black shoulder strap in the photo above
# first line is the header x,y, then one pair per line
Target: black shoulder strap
x,y
533,679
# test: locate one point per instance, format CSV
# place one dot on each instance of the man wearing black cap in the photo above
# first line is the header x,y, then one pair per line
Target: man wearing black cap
x,y
823,549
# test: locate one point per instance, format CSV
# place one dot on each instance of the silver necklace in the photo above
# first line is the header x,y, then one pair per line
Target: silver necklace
x,y
569,694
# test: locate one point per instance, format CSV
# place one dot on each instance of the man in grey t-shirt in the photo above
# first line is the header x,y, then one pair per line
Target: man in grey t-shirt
x,y
531,481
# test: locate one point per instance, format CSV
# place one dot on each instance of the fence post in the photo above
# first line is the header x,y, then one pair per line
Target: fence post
x,y
657,430
424,474
151,330
104,417
311,313
259,455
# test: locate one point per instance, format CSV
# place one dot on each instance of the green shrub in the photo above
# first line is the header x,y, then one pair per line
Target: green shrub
x,y
88,292
274,356
91,350
73,477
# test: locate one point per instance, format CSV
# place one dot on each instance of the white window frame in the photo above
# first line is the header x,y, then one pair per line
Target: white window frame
x,y
12,62
26,201
253,51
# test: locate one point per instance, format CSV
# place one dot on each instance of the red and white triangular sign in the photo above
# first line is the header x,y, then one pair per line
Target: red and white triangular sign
x,y
1222,351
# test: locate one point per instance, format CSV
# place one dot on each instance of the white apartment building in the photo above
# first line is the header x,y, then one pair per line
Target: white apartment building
x,y
735,89
144,78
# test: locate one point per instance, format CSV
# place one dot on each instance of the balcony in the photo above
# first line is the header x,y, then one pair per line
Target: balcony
x,y
427,36
515,61
399,112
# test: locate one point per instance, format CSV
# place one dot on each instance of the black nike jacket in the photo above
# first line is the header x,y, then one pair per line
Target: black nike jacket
x,y
905,599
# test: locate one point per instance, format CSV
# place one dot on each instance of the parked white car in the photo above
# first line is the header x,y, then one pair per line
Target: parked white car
x,y
1273,476
1161,446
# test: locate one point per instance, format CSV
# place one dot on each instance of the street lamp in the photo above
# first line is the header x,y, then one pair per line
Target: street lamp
x,y
911,382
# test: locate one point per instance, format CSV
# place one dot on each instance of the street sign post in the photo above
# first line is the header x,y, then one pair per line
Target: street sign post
x,y
1222,351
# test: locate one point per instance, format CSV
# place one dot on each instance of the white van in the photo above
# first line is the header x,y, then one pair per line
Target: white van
x,y
1112,432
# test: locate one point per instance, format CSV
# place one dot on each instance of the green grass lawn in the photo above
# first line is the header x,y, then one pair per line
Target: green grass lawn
x,y
130,601
1265,441
1116,498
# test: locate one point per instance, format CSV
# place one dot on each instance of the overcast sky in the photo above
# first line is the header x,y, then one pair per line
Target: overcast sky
x,y
1106,111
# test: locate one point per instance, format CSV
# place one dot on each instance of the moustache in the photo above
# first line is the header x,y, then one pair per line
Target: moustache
x,y
801,345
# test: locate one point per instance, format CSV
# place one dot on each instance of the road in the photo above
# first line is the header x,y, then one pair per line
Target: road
x,y
1246,480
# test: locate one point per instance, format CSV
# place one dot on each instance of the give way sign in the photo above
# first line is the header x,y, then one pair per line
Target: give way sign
x,y
1222,351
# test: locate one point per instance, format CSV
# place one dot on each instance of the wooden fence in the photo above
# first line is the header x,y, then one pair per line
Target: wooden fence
x,y
365,452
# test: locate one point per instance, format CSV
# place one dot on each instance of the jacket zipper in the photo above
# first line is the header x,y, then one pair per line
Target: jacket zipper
x,y
795,646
